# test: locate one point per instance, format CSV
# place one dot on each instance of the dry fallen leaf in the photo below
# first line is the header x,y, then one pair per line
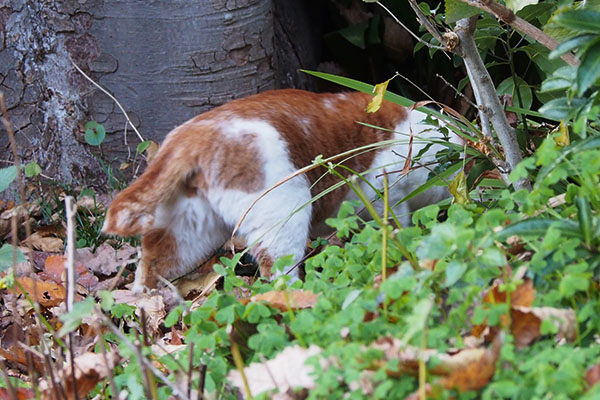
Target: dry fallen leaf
x,y
49,243
592,376
12,344
284,372
527,321
55,268
523,295
105,260
48,294
297,299
471,369
21,212
20,393
90,368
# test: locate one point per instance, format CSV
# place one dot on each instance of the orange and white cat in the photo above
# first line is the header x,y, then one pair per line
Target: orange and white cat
x,y
212,168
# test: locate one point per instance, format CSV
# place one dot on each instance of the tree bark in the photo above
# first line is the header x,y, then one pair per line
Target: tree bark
x,y
165,61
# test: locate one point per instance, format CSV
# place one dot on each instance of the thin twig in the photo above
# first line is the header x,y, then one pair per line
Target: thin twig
x,y
202,381
71,210
458,92
113,99
427,24
190,366
411,32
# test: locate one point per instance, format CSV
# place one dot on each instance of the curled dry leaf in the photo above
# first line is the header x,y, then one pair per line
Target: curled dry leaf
x,y
297,299
41,241
48,294
523,295
527,321
21,212
468,369
90,368
153,305
284,372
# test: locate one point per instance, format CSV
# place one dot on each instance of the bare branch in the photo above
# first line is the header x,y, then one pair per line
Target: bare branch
x,y
508,16
481,79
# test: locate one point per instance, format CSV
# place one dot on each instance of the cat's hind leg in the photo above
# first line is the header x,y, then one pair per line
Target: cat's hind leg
x,y
277,225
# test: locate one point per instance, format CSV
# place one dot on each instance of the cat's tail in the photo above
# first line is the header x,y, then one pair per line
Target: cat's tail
x,y
132,210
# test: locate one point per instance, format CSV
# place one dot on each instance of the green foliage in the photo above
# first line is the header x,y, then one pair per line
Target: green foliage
x,y
441,268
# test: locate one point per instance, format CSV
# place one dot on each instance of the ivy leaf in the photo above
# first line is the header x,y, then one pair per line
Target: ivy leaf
x,y
32,169
7,175
94,133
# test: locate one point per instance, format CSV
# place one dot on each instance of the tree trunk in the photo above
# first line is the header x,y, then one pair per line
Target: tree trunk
x,y
164,60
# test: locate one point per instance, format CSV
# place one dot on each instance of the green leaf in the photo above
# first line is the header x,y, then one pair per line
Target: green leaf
x,y
141,147
589,70
586,222
561,109
458,189
72,319
32,169
507,86
579,20
6,256
7,175
586,144
355,34
457,9
569,45
454,271
516,5
417,320
537,227
107,300
94,133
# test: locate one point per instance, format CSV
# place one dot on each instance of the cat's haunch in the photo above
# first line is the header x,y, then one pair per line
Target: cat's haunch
x,y
211,169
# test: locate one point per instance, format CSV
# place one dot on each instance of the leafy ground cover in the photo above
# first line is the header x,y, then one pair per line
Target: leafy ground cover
x,y
491,294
